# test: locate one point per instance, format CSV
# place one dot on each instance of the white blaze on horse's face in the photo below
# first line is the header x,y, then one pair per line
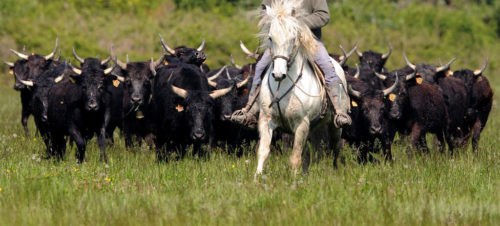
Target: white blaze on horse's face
x,y
282,53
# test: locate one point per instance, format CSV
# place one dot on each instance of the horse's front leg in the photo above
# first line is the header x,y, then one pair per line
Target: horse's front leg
x,y
266,127
301,133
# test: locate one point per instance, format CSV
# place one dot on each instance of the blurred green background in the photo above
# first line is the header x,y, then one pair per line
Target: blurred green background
x,y
428,31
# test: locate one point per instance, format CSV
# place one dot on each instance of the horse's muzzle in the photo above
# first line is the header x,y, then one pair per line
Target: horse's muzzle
x,y
278,77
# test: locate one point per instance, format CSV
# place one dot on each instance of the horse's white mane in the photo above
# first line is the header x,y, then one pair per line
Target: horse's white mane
x,y
280,20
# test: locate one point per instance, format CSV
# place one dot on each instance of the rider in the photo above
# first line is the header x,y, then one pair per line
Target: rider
x,y
319,17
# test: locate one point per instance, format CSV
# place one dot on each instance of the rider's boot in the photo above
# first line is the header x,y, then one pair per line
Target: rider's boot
x,y
249,114
340,101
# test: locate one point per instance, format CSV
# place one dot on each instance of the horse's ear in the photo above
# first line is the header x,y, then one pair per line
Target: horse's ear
x,y
266,9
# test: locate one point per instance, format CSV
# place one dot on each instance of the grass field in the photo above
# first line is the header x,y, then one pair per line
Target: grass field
x,y
135,190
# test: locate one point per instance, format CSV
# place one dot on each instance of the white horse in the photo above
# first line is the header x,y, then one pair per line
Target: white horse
x,y
291,96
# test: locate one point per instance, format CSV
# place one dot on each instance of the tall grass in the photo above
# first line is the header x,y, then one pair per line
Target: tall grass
x,y
429,189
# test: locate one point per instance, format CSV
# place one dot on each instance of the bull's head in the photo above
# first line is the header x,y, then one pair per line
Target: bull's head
x,y
373,105
185,54
92,78
28,67
429,73
138,78
374,60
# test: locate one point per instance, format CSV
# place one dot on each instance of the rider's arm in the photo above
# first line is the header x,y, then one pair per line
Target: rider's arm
x,y
320,15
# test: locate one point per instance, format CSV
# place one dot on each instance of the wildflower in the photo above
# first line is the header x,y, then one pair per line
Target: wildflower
x,y
108,179
247,161
8,170
0,189
34,139
14,135
76,169
233,166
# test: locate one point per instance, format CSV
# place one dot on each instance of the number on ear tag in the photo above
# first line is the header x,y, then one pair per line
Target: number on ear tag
x,y
419,80
179,108
392,97
116,83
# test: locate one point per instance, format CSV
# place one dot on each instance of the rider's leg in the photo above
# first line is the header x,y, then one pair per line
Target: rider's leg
x,y
248,115
336,91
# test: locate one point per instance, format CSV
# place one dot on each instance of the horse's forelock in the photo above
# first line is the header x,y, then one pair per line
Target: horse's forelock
x,y
286,26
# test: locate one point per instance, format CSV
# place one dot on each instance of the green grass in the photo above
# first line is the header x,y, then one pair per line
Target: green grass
x,y
429,189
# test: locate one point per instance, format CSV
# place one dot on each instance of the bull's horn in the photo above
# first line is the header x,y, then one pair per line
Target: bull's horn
x,y
115,59
248,52
212,83
357,71
228,75
106,61
48,57
20,55
217,75
411,76
159,61
447,66
109,70
234,63
353,92
76,70
10,64
388,54
412,66
152,66
24,82
346,56
202,46
360,54
180,92
381,76
81,60
480,71
390,89
243,83
166,48
59,78
220,92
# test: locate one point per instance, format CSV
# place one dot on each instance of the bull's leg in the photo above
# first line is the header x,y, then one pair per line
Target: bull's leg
x,y
335,144
476,135
24,120
101,140
415,136
266,127
81,144
387,145
300,139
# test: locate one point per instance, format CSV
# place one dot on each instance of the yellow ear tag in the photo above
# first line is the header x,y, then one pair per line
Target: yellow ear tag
x,y
11,72
354,104
477,71
419,80
449,73
166,63
72,80
179,108
32,54
139,115
116,83
392,97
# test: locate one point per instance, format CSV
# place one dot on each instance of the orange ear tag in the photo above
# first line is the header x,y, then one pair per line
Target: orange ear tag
x,y
449,73
179,108
166,63
354,104
419,80
392,97
32,54
116,83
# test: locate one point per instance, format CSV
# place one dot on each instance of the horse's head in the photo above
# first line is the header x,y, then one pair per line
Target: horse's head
x,y
285,35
